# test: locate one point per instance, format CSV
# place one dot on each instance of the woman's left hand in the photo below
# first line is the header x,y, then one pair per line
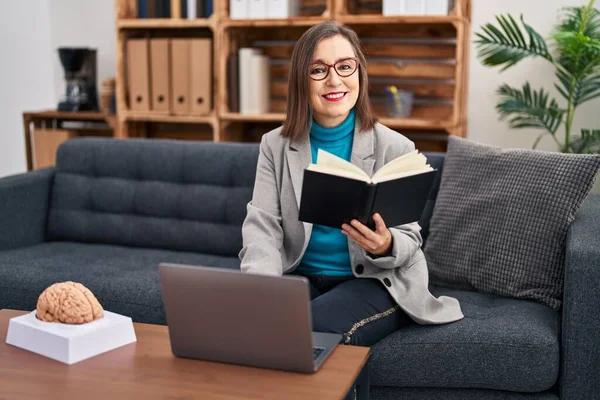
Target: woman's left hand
x,y
378,242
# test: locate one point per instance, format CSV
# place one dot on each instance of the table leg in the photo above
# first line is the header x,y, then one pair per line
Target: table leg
x,y
27,134
362,383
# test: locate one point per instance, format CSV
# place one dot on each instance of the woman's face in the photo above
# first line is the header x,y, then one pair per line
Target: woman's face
x,y
332,98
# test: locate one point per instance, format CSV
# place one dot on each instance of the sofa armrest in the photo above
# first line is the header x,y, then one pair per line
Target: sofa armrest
x,y
580,342
24,203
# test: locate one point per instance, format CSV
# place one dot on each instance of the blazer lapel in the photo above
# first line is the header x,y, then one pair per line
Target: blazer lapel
x,y
298,156
363,148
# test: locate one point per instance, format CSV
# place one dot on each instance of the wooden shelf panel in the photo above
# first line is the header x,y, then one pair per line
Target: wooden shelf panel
x,y
400,19
414,123
163,23
406,123
271,23
169,118
270,117
68,115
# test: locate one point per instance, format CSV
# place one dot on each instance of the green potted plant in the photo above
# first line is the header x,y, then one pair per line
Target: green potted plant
x,y
575,54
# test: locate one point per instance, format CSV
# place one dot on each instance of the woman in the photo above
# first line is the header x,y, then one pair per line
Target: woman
x,y
364,283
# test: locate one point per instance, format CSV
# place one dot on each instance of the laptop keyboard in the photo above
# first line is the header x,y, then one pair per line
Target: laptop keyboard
x,y
317,351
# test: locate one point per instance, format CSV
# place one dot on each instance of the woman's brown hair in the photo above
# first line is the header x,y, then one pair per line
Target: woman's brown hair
x,y
298,117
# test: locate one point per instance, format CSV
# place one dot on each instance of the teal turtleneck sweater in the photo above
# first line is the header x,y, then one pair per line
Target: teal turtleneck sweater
x,y
327,251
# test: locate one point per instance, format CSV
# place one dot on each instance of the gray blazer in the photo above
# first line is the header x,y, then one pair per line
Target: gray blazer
x,y
274,240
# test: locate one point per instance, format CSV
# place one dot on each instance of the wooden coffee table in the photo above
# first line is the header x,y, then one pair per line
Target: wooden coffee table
x,y
147,369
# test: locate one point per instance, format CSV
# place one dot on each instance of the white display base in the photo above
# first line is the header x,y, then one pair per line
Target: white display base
x,y
70,343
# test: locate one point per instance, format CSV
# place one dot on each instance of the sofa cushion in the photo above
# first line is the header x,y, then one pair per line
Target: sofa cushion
x,y
125,280
501,217
502,344
394,393
174,195
436,160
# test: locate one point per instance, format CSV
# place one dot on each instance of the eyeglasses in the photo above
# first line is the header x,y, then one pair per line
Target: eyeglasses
x,y
344,68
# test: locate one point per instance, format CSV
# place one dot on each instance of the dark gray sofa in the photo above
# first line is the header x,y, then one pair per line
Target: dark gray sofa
x,y
112,210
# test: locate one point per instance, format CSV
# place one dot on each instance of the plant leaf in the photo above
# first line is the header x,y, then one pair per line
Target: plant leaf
x,y
529,109
587,143
507,45
572,18
535,40
577,41
583,88
537,140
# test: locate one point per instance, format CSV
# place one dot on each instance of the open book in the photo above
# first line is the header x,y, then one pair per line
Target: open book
x,y
335,191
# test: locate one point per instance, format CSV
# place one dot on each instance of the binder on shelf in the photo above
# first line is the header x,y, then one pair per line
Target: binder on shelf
x,y
404,7
207,8
138,74
201,76
233,83
152,8
142,8
184,8
238,9
254,81
194,9
246,78
163,8
159,74
259,68
392,7
180,77
414,7
437,7
175,8
257,9
283,8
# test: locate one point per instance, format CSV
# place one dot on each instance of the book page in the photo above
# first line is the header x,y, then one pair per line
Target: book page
x,y
332,170
334,165
405,163
392,176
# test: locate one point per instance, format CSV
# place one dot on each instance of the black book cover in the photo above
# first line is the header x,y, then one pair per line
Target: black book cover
x,y
332,200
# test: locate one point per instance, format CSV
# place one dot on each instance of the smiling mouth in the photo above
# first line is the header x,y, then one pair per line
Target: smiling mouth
x,y
335,96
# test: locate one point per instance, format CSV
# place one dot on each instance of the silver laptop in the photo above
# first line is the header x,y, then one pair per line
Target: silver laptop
x,y
229,316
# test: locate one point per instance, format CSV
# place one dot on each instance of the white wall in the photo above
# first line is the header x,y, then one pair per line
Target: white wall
x,y
483,123
25,77
31,77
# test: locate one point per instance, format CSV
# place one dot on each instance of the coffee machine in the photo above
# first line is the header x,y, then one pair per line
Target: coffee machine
x,y
79,65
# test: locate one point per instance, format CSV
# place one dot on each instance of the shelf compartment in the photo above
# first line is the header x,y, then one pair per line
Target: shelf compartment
x,y
391,122
164,23
400,19
238,117
270,23
169,118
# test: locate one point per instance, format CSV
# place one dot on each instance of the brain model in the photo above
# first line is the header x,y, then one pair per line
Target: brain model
x,y
68,303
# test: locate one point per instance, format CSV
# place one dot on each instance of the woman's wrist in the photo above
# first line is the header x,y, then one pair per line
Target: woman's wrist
x,y
386,250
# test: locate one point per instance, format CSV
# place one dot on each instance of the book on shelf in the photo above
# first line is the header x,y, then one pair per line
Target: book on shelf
x,y
178,9
253,81
335,191
416,7
261,9
233,86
